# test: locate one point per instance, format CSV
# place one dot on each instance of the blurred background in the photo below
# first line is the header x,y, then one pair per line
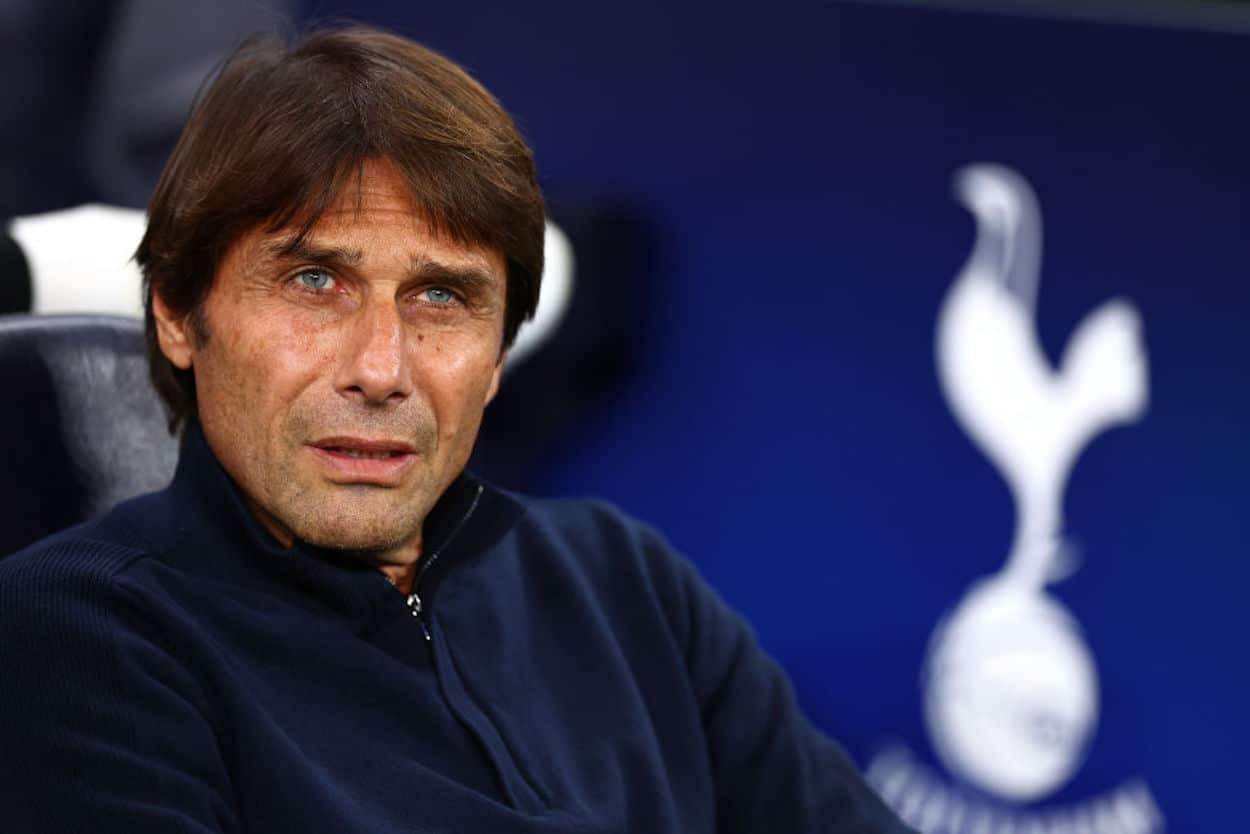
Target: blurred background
x,y
783,353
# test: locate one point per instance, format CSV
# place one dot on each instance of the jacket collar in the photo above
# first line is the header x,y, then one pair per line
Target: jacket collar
x,y
213,534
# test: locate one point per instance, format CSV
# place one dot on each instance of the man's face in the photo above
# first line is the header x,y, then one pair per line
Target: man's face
x,y
342,384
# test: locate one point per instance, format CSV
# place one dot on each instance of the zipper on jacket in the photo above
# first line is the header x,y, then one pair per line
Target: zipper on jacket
x,y
414,599
414,605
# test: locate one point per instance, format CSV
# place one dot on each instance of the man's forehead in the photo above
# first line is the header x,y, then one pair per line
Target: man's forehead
x,y
357,244
375,187
372,216
356,241
331,247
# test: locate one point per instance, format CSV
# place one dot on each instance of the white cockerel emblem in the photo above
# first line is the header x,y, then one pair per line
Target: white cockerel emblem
x,y
1011,690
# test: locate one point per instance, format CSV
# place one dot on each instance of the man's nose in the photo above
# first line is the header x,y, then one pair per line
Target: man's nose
x,y
374,366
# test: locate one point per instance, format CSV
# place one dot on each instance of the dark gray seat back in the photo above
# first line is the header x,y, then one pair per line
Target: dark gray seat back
x,y
81,427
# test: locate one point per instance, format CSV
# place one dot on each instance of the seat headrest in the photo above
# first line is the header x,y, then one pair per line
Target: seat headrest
x,y
81,427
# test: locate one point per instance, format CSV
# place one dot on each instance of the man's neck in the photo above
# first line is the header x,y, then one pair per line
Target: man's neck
x,y
402,572
401,576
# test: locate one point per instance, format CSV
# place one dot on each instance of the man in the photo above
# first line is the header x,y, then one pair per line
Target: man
x,y
324,623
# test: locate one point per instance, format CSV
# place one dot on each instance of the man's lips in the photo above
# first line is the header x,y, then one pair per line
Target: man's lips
x,y
364,460
362,446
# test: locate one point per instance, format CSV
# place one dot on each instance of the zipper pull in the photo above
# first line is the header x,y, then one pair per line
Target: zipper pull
x,y
414,605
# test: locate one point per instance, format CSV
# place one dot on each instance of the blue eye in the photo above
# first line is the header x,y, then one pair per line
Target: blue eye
x,y
315,279
440,295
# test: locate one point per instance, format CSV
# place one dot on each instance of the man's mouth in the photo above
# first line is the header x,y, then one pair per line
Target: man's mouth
x,y
364,460
361,453
361,447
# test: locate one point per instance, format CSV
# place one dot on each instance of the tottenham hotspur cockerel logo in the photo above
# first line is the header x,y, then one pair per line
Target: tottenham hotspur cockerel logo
x,y
1011,693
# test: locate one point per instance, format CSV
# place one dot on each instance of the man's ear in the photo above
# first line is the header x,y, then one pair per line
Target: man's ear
x,y
172,333
494,380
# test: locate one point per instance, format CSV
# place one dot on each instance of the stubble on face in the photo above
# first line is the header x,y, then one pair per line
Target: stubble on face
x,y
363,518
283,369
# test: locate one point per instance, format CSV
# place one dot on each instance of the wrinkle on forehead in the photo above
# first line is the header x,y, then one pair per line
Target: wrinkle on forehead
x,y
377,186
347,193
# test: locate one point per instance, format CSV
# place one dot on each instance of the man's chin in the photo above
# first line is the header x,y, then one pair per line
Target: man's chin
x,y
362,531
354,542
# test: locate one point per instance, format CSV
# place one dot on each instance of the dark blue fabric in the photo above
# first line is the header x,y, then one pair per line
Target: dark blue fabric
x,y
170,667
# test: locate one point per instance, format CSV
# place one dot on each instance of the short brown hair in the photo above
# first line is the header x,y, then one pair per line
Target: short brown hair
x,y
284,127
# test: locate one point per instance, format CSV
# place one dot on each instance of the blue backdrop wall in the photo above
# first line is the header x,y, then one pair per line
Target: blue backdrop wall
x,y
786,427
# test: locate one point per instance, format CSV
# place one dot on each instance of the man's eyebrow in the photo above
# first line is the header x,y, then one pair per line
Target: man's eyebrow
x,y
301,249
467,276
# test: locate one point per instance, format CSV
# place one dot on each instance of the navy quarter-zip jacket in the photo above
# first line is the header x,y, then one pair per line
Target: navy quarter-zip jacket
x,y
171,668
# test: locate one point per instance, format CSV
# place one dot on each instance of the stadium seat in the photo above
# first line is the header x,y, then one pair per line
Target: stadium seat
x,y
81,427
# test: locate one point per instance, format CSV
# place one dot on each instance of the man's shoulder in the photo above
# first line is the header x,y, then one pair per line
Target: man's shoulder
x,y
90,554
62,594
586,522
597,538
571,515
